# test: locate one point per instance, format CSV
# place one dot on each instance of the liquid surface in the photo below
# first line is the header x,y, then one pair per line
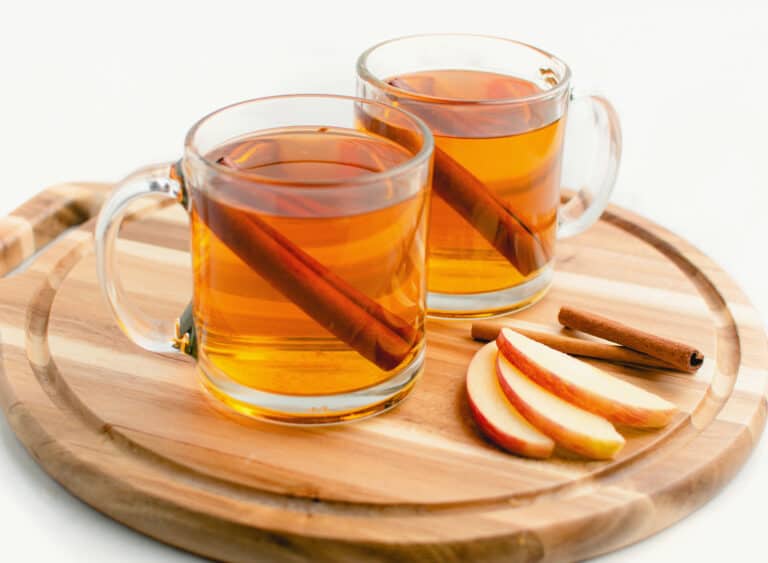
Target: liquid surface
x,y
371,237
512,149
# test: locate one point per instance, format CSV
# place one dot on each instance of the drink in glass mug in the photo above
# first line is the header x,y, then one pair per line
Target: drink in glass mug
x,y
497,109
371,251
308,256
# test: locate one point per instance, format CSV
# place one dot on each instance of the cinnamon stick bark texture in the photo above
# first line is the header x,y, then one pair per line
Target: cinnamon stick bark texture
x,y
487,331
475,202
354,318
677,354
488,214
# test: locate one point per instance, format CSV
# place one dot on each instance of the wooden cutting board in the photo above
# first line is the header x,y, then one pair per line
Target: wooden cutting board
x,y
134,435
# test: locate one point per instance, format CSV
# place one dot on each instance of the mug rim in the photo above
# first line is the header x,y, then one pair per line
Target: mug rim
x,y
423,154
364,73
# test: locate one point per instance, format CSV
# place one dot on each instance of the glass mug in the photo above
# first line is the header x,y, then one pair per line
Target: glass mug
x,y
308,242
497,109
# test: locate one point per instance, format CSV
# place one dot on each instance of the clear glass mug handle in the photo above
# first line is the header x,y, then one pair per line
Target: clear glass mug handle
x,y
150,333
588,203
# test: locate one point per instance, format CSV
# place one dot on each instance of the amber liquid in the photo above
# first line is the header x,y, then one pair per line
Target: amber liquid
x,y
249,331
513,149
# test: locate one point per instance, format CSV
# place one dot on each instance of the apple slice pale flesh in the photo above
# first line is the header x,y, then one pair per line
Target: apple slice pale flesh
x,y
584,385
573,428
495,416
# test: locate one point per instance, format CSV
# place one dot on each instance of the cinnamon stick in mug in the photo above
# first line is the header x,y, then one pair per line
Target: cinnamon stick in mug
x,y
487,331
475,203
677,354
354,318
488,214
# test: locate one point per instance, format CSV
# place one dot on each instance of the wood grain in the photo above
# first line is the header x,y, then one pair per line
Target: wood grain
x,y
135,436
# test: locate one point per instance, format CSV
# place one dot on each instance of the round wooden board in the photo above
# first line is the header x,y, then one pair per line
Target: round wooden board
x,y
135,436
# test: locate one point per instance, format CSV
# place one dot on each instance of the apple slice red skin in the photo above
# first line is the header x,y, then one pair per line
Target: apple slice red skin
x,y
504,440
576,443
611,410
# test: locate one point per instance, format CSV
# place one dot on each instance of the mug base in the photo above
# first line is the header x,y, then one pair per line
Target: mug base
x,y
492,303
306,410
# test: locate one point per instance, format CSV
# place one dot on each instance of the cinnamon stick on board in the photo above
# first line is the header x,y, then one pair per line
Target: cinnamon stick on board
x,y
354,318
677,354
487,331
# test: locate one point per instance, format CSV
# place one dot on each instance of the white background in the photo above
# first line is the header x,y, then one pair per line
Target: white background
x,y
89,91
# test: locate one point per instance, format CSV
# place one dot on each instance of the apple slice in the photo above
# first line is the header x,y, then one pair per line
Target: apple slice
x,y
584,385
571,427
495,416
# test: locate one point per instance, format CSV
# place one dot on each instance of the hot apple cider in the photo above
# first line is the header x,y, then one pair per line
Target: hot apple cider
x,y
308,279
496,179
